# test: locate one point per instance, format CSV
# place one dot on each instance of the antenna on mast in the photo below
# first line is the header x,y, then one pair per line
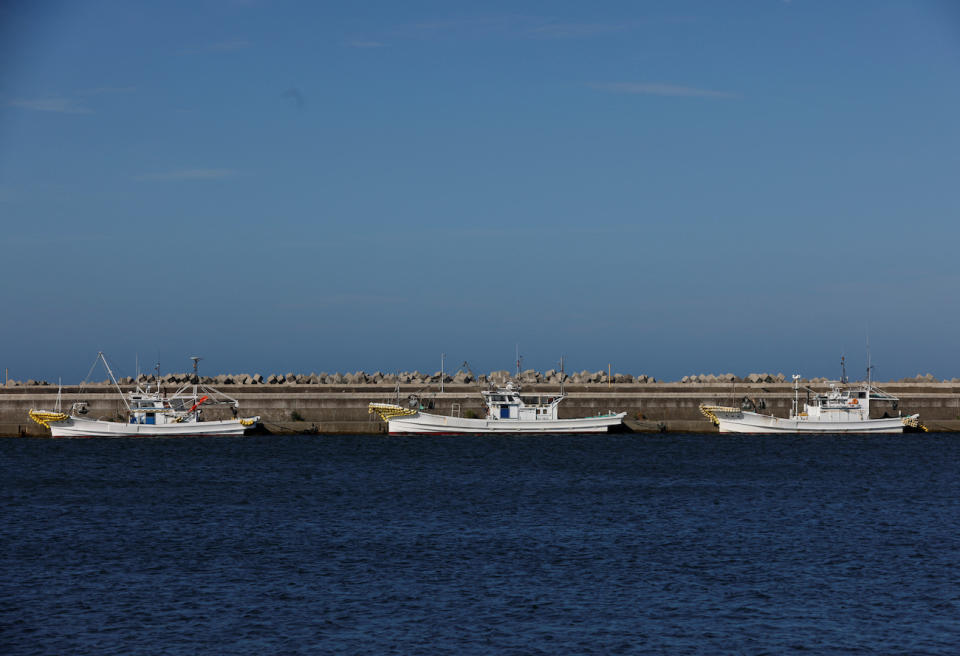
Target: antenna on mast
x,y
195,359
562,375
843,370
519,358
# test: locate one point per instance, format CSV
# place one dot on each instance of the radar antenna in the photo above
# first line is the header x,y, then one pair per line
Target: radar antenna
x,y
196,377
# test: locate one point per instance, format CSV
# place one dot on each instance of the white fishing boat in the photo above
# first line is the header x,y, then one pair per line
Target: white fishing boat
x,y
507,411
150,413
842,409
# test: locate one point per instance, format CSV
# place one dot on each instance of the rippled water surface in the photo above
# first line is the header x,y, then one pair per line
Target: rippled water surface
x,y
470,545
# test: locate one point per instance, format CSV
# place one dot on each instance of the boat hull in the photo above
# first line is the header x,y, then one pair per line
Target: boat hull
x,y
81,427
752,422
425,423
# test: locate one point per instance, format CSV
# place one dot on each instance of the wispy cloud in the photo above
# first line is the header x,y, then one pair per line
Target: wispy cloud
x,y
359,43
449,24
189,174
464,27
578,30
99,91
57,105
523,26
229,45
652,89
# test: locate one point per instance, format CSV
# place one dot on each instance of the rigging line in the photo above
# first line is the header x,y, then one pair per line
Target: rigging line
x,y
114,379
83,383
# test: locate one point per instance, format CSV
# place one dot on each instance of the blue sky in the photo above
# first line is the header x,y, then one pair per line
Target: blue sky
x,y
670,187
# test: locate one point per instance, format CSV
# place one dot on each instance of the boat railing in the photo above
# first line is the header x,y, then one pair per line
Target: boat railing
x,y
880,395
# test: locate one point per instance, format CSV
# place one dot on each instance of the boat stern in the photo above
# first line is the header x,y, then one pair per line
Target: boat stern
x,y
912,423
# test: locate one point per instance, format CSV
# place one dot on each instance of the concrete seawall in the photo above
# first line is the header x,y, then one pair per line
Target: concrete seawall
x,y
342,408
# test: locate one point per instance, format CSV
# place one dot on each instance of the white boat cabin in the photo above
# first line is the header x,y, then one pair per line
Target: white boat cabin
x,y
506,403
841,404
151,408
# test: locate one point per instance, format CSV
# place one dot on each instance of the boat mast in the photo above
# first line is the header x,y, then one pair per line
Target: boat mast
x,y
562,375
796,394
196,378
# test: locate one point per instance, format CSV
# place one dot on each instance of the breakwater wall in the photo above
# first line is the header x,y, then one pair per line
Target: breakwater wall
x,y
527,377
287,405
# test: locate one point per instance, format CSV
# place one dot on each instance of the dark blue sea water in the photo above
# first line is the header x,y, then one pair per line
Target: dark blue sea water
x,y
507,545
